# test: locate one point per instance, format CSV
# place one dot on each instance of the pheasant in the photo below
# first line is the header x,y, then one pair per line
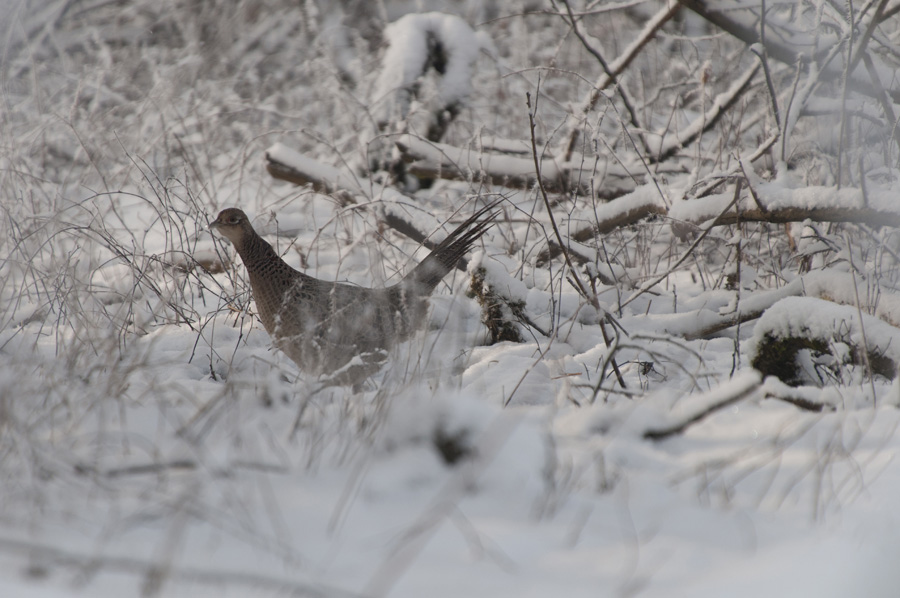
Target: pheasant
x,y
337,329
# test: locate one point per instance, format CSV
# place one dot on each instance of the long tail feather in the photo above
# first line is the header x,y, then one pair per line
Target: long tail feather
x,y
444,257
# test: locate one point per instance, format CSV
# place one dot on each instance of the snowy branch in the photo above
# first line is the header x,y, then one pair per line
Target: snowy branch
x,y
789,49
701,407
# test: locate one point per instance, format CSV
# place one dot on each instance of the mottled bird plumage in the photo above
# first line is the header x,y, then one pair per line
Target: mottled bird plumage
x,y
321,325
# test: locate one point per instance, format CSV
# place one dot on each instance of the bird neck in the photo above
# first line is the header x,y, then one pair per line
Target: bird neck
x,y
255,251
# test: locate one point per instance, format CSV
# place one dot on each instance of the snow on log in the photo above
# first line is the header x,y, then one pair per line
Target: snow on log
x,y
629,209
833,287
781,203
798,337
447,161
289,165
606,174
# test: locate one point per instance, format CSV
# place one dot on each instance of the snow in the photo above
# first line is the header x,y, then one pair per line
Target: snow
x,y
786,195
643,196
405,59
812,318
694,407
153,443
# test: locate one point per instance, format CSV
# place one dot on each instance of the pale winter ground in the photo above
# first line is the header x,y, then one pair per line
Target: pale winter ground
x,y
152,443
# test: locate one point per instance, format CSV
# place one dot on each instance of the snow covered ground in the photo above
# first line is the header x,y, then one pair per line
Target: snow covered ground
x,y
152,443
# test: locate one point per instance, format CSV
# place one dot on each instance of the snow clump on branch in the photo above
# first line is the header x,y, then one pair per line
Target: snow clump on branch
x,y
419,41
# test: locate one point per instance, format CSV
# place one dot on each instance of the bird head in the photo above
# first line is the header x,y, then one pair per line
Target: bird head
x,y
233,224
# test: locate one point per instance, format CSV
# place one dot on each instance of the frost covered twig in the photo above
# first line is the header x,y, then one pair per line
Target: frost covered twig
x,y
652,283
611,76
616,67
582,289
706,121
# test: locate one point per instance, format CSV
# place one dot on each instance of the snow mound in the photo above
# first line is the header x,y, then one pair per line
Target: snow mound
x,y
806,323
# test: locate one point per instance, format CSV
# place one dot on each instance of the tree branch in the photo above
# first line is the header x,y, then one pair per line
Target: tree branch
x,y
617,67
785,52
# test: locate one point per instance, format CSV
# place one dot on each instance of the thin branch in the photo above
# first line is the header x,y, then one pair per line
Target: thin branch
x,y
578,283
760,51
860,50
686,254
800,402
618,66
884,100
709,119
622,91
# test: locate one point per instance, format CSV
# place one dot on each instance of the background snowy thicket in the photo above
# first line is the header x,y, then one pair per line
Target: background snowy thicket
x,y
719,206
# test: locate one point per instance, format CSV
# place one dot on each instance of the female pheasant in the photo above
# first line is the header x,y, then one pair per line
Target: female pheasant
x,y
334,328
